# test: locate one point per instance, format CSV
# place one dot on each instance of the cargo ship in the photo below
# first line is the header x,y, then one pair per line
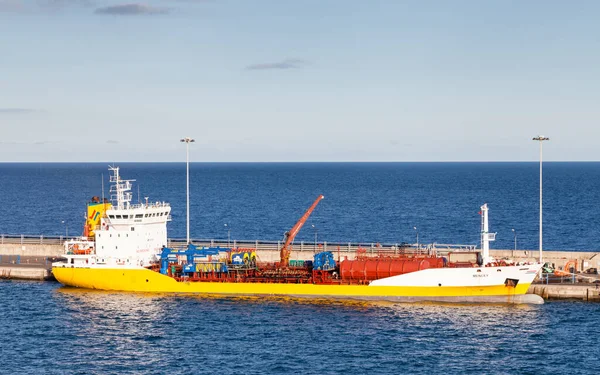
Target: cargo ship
x,y
124,248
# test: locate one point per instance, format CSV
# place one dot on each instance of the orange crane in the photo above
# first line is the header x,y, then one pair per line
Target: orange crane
x,y
288,237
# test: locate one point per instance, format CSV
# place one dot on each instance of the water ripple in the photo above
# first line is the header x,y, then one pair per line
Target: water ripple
x,y
57,330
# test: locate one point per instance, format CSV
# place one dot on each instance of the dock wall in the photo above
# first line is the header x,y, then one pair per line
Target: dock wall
x,y
28,258
41,250
26,272
268,251
563,291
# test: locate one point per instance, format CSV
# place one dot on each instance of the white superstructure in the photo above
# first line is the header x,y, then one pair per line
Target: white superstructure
x,y
128,234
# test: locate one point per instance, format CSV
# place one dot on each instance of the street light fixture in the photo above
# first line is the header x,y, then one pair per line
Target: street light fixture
x,y
415,228
228,233
187,141
316,230
541,139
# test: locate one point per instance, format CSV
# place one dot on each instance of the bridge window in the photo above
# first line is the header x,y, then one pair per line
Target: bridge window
x,y
139,216
117,216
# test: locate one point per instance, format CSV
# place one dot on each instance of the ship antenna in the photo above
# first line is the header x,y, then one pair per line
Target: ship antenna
x,y
102,174
138,193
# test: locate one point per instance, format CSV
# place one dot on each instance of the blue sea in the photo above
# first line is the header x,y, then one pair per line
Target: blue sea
x,y
47,328
56,330
364,202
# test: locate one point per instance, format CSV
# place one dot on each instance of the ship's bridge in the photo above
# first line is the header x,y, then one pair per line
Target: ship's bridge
x,y
157,212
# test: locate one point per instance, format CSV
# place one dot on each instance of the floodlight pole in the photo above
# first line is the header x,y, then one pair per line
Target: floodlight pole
x,y
187,141
541,139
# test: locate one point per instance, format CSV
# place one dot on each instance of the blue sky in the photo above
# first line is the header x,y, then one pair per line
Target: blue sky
x,y
310,80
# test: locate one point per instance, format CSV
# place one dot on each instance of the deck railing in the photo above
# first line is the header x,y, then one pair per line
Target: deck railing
x,y
309,246
25,239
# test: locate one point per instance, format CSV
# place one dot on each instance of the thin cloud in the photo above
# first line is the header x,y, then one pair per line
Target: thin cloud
x,y
285,64
31,6
17,111
55,5
35,143
11,6
131,10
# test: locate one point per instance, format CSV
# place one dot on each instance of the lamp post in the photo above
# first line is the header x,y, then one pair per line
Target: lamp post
x,y
541,139
316,230
515,234
187,141
66,228
228,234
415,228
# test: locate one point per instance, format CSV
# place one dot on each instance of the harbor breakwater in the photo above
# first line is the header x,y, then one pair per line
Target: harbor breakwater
x,y
26,258
268,251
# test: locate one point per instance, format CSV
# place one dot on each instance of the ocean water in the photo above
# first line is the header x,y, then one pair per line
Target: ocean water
x,y
364,202
50,329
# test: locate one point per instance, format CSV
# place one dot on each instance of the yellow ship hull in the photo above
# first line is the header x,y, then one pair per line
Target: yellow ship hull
x,y
144,280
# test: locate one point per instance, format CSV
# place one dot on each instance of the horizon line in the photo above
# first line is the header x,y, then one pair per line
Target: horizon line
x,y
307,162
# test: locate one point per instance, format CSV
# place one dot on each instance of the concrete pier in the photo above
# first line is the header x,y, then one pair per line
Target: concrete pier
x,y
589,292
30,257
25,273
26,267
268,251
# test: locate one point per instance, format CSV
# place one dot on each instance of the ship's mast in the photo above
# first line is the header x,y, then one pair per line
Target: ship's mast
x,y
486,237
120,191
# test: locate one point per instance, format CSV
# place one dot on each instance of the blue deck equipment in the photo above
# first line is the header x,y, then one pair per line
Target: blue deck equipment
x,y
194,255
324,261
